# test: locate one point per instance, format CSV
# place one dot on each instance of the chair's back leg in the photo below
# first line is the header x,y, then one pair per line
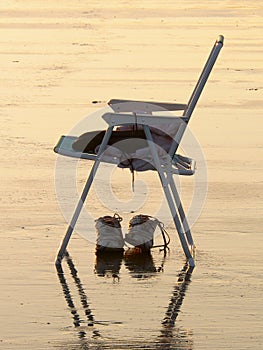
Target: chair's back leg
x,y
182,214
169,197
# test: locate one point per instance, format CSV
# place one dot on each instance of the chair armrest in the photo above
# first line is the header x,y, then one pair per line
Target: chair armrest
x,y
116,119
119,105
184,165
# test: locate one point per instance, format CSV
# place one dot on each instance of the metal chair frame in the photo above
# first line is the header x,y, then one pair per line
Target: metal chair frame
x,y
140,113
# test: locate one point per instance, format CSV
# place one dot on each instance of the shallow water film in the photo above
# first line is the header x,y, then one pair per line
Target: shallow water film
x,y
62,61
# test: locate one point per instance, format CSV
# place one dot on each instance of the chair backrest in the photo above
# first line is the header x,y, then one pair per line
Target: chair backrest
x,y
141,110
203,78
197,92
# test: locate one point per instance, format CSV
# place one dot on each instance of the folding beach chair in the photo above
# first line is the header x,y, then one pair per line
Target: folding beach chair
x,y
141,115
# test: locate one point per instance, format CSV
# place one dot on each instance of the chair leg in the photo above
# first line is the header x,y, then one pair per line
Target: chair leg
x,y
76,214
181,213
65,241
169,197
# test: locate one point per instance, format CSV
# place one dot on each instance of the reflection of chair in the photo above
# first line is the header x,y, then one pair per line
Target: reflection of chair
x,y
178,296
140,114
173,309
77,321
87,325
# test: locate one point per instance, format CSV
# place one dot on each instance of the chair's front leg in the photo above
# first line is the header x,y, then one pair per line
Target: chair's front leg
x,y
83,197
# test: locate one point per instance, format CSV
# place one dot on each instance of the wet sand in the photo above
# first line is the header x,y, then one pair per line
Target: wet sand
x,y
56,59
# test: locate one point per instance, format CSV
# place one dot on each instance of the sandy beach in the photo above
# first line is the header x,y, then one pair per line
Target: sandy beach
x,y
56,60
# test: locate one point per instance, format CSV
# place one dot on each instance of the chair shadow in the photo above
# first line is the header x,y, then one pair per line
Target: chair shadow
x,y
139,266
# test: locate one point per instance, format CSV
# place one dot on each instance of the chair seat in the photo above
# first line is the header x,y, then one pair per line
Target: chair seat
x,y
181,165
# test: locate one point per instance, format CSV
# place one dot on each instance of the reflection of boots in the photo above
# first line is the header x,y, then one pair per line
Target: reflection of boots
x,y
139,263
141,231
109,234
108,263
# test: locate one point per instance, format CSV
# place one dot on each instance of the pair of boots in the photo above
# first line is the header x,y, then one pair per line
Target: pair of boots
x,y
140,233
